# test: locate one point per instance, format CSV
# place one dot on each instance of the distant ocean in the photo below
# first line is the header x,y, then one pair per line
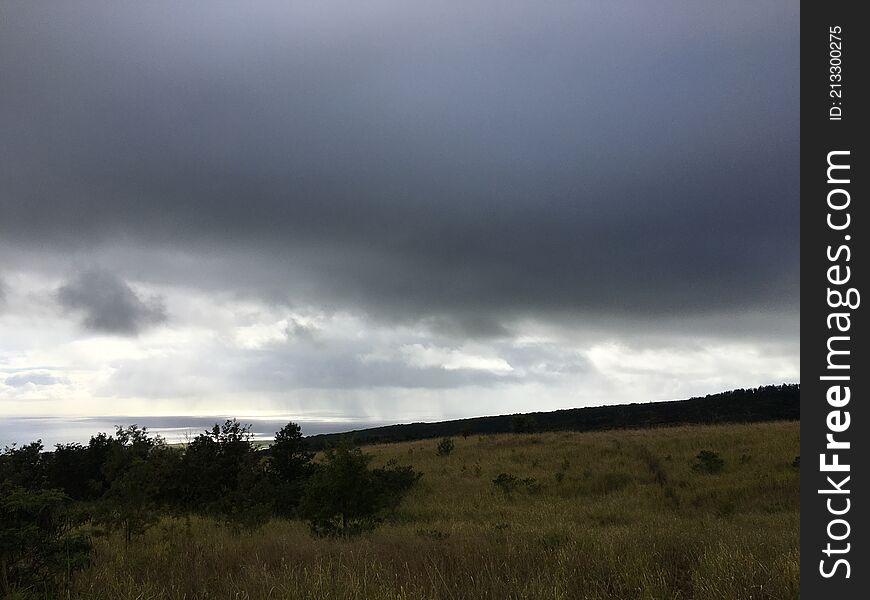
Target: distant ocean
x,y
175,429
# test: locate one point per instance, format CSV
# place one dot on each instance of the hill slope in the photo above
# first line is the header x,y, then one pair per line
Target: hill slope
x,y
615,515
767,403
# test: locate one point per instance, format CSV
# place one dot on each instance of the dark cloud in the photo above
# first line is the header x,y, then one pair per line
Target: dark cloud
x,y
300,331
466,165
107,304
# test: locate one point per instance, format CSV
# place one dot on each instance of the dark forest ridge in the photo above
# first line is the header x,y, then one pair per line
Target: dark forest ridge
x,y
766,403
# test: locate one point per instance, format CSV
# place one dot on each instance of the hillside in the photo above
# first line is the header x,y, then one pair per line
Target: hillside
x,y
767,403
615,515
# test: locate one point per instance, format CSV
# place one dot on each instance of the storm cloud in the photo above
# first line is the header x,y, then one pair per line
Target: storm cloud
x,y
415,158
445,173
107,304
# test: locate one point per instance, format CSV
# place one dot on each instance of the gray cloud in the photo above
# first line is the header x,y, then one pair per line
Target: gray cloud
x,y
461,165
399,207
35,378
107,304
300,331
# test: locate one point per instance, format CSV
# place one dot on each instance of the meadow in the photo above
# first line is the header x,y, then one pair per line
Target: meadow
x,y
620,514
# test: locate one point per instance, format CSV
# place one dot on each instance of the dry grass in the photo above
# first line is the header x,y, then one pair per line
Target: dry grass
x,y
628,518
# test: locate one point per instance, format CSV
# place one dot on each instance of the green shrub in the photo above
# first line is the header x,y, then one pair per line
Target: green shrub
x,y
344,497
708,462
39,545
508,484
445,447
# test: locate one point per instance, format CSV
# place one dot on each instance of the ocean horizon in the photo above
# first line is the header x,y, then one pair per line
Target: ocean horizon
x,y
52,430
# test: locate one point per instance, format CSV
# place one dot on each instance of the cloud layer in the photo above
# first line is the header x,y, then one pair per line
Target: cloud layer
x,y
449,180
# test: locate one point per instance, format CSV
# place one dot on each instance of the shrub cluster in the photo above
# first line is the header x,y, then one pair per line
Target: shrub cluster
x,y
708,462
508,483
445,447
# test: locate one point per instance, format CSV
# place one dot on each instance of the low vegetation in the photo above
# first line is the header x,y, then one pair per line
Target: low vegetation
x,y
53,504
604,515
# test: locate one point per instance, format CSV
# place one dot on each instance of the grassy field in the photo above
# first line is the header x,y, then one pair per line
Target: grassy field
x,y
617,515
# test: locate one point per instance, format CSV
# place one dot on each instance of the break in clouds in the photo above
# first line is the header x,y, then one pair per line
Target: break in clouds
x,y
394,210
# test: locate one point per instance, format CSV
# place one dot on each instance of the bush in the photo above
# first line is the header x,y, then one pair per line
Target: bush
x,y
344,497
393,481
445,447
508,484
708,462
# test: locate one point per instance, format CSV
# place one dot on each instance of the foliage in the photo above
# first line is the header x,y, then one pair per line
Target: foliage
x,y
23,466
708,462
508,484
70,469
523,424
445,447
289,467
39,547
392,482
136,470
223,475
344,497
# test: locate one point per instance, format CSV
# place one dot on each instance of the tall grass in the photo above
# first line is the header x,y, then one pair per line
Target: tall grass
x,y
610,515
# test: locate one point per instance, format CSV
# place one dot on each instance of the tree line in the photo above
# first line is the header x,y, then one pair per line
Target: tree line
x,y
50,501
743,405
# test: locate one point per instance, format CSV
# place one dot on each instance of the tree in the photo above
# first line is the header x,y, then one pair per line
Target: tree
x,y
68,469
224,475
135,476
39,547
289,466
344,497
24,466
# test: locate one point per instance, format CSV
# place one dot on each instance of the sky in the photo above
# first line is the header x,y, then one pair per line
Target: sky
x,y
394,210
